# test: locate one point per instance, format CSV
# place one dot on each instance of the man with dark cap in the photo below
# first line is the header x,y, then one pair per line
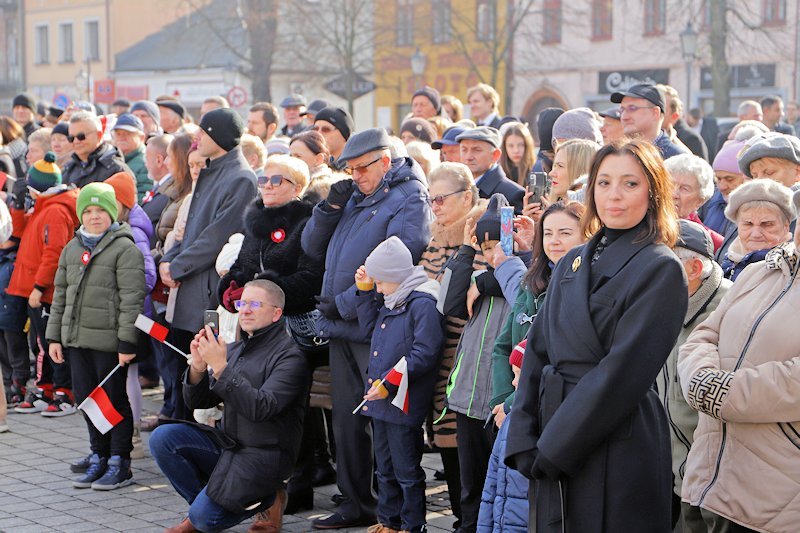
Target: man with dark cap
x,y
120,106
385,197
224,190
426,103
310,114
336,125
611,128
128,136
23,110
150,116
417,129
642,109
448,145
92,159
293,106
480,151
173,115
544,128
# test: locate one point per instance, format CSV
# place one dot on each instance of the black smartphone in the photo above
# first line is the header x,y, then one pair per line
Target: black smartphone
x,y
540,184
211,319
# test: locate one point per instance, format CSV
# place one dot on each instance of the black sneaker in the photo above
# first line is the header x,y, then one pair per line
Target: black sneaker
x,y
15,393
34,402
118,474
96,469
60,406
81,465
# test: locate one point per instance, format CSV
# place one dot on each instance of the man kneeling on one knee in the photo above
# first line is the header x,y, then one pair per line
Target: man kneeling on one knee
x,y
230,473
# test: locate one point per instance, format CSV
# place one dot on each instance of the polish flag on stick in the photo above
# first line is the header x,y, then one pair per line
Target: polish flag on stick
x,y
99,409
155,330
398,376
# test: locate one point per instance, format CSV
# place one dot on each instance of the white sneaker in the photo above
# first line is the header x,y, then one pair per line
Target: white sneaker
x,y
60,406
3,427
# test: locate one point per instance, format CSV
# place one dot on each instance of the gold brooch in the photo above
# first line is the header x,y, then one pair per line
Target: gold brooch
x,y
576,264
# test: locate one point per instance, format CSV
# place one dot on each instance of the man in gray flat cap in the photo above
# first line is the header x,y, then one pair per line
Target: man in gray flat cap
x,y
293,106
385,197
480,151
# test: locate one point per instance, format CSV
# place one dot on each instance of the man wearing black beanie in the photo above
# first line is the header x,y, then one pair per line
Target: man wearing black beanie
x,y
336,125
23,109
222,193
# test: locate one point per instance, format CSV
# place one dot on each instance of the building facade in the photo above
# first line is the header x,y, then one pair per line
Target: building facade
x,y
574,54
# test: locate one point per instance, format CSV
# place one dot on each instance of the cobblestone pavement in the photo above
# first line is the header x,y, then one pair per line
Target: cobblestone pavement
x,y
36,493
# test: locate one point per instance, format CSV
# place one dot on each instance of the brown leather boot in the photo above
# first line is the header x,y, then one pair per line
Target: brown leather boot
x,y
271,520
183,527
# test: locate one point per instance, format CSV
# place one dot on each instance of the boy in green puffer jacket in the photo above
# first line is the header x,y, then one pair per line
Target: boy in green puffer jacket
x,y
99,292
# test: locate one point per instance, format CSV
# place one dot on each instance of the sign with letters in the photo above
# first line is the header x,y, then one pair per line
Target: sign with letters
x,y
611,81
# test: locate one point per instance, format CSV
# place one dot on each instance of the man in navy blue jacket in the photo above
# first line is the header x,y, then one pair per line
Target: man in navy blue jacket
x,y
385,197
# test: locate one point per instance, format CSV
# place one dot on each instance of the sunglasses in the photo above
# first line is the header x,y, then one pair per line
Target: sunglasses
x,y
362,168
323,129
275,180
439,198
252,304
81,137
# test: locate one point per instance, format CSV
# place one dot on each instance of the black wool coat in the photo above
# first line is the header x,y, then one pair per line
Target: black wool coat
x,y
586,400
271,250
495,180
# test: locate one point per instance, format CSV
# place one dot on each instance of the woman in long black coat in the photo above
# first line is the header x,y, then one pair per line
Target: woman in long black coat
x,y
587,424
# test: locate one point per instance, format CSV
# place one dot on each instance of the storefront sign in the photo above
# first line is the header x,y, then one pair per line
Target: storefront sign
x,y
619,80
755,76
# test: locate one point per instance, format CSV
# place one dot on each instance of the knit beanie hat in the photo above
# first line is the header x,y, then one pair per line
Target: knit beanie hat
x,y
544,126
124,188
419,128
488,226
25,100
339,118
224,126
431,94
99,194
44,173
148,107
518,353
390,261
727,159
62,128
578,123
173,105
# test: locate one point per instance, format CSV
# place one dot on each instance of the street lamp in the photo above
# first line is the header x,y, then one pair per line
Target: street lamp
x,y
688,50
418,64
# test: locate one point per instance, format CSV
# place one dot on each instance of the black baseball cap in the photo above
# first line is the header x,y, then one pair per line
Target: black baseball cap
x,y
611,112
651,93
694,237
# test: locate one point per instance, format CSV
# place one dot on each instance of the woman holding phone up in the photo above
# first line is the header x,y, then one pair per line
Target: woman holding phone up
x,y
586,423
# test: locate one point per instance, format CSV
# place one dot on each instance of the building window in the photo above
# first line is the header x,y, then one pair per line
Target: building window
x,y
42,44
442,30
601,19
65,50
551,30
705,16
405,22
773,12
92,40
655,18
486,20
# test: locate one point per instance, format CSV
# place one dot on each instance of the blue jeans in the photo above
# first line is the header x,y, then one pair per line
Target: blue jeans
x,y
187,456
401,480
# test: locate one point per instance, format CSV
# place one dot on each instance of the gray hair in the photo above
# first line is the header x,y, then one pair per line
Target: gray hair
x,y
691,165
458,174
762,204
422,153
747,106
86,116
747,129
275,294
397,149
686,254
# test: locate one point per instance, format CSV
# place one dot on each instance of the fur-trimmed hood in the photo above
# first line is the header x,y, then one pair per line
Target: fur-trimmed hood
x,y
260,221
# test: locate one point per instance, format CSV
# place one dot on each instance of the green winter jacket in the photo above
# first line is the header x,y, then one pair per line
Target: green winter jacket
x,y
95,305
135,161
516,327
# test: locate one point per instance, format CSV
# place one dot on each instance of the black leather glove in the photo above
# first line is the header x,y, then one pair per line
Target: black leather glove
x,y
543,468
19,191
341,191
327,306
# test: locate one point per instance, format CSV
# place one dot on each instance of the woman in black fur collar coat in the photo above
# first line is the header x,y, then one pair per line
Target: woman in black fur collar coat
x,y
271,248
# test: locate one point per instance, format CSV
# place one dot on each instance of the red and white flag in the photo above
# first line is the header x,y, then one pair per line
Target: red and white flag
x,y
100,411
152,328
398,376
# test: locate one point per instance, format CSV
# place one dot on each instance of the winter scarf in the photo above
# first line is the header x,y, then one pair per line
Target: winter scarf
x,y
90,240
410,284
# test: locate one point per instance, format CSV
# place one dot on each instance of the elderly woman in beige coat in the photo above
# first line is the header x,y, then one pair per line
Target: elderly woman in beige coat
x,y
741,370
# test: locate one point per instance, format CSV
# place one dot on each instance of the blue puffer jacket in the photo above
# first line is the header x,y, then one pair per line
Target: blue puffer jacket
x,y
345,237
504,502
414,330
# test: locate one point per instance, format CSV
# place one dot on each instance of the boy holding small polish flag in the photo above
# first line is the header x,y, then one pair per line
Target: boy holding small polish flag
x,y
404,355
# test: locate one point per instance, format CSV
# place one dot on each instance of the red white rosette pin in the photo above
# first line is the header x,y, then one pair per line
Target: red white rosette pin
x,y
85,257
278,235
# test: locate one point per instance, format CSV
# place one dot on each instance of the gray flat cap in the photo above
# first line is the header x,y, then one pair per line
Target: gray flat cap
x,y
482,133
364,142
770,144
764,190
695,238
293,100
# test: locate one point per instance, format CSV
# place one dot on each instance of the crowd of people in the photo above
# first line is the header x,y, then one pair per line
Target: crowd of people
x,y
336,303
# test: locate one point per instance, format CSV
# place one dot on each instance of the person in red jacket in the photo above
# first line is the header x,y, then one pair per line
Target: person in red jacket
x,y
43,232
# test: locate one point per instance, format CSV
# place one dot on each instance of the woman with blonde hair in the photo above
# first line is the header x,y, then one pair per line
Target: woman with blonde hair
x,y
518,154
572,160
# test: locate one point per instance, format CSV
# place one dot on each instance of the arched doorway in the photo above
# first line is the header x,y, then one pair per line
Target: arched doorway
x,y
537,102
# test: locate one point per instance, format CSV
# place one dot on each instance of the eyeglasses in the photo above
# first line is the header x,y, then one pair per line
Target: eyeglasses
x,y
634,108
252,304
275,180
324,129
439,198
362,168
81,137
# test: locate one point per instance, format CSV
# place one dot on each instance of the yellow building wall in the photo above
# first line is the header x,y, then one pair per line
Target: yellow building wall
x,y
449,69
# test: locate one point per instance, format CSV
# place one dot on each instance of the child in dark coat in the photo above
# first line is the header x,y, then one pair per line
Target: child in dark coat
x,y
405,324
